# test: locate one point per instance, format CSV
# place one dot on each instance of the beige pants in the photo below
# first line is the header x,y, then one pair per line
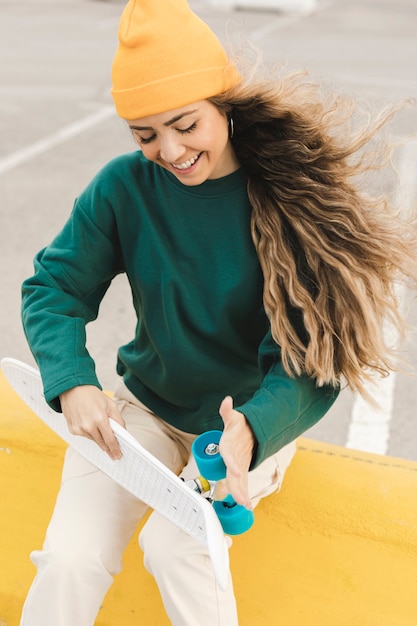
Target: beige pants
x,y
94,520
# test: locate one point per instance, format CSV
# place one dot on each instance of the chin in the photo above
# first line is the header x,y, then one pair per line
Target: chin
x,y
191,181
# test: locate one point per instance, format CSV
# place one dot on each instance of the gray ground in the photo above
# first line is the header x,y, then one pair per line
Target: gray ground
x,y
57,129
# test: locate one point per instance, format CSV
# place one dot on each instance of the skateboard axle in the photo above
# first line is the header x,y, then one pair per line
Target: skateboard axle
x,y
212,449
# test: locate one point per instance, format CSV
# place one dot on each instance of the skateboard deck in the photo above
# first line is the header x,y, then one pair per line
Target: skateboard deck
x,y
138,471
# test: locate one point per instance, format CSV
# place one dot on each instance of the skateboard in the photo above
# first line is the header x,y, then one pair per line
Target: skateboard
x,y
188,504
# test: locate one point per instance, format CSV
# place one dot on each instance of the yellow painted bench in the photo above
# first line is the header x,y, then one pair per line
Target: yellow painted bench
x,y
336,547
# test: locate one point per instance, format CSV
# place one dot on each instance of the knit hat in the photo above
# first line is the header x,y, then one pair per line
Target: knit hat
x,y
167,58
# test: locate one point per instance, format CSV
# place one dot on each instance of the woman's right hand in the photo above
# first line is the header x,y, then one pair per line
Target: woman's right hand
x,y
87,411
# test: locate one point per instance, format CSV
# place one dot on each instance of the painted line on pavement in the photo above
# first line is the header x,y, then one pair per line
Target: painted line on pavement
x,y
67,132
259,34
305,9
15,159
369,428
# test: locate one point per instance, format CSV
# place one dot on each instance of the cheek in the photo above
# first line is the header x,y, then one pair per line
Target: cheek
x,y
223,132
148,152
217,141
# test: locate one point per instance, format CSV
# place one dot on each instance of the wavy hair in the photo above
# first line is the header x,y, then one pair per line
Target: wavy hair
x,y
328,250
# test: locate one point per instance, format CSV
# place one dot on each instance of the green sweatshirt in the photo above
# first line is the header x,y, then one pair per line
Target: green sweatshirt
x,y
196,283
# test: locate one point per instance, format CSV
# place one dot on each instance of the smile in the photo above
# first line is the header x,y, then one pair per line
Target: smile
x,y
187,164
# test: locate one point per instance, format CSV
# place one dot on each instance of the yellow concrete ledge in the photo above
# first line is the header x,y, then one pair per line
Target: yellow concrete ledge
x,y
337,546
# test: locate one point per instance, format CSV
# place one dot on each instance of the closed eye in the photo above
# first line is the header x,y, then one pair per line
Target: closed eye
x,y
147,140
184,131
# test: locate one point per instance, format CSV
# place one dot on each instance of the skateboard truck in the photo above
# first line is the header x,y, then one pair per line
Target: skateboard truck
x,y
234,518
202,486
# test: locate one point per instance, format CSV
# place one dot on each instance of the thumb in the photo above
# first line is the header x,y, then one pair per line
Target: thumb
x,y
226,410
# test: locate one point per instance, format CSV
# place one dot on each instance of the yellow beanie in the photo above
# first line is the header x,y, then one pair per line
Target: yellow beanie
x,y
167,58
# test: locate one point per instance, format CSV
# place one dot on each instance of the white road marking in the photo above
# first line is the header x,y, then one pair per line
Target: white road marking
x,y
68,132
259,34
369,428
15,159
304,9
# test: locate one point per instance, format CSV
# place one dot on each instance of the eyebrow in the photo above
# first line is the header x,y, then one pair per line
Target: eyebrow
x,y
168,123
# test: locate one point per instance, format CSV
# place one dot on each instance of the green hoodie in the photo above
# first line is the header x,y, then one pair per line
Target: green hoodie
x,y
196,283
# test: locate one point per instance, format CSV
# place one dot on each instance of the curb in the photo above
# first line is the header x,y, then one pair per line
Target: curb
x,y
337,545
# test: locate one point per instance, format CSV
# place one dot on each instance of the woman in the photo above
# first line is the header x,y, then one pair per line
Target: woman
x,y
260,276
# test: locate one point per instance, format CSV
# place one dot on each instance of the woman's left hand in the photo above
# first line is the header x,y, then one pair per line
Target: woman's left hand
x,y
236,448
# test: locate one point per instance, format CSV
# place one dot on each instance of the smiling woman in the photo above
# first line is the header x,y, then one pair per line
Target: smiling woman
x,y
260,273
192,142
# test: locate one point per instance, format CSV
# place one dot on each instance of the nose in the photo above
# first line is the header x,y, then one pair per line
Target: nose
x,y
171,149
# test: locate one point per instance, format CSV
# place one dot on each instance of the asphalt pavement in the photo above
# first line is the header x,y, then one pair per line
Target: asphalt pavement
x,y
58,127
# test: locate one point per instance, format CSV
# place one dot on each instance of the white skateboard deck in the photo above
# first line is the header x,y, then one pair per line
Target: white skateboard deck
x,y
138,471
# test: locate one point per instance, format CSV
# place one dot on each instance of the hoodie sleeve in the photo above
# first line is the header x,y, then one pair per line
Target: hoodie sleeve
x,y
62,296
283,407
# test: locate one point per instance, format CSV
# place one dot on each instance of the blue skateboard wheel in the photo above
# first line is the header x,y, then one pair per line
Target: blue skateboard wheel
x,y
235,519
205,450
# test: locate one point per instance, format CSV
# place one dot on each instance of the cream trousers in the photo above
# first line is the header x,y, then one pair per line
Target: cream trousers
x,y
94,520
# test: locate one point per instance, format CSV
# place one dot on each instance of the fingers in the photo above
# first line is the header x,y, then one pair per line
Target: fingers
x,y
101,433
235,484
114,413
239,495
236,448
221,490
87,411
107,440
238,487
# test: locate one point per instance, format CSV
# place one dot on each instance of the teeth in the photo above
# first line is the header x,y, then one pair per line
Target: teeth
x,y
186,164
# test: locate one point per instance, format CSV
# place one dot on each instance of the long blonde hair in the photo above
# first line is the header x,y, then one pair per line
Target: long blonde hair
x,y
328,250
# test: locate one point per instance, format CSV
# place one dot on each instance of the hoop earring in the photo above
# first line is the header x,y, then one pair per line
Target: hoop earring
x,y
231,125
